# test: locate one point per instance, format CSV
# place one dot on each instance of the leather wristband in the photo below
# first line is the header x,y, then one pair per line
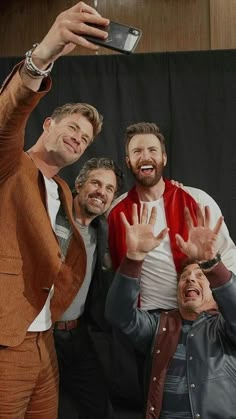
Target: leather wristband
x,y
208,264
31,69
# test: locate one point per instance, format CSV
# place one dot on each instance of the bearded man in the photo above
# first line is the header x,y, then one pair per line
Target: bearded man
x,y
146,158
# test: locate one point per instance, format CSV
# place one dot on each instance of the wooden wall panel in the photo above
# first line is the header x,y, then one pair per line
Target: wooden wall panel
x,y
167,25
23,22
223,24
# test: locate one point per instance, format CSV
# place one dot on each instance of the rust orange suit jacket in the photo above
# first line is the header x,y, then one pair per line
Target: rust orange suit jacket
x,y
30,257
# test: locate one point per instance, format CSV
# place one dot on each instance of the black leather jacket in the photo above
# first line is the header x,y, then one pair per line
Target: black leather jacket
x,y
210,348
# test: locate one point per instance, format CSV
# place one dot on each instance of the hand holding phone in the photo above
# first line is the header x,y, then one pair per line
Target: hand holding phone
x,y
120,38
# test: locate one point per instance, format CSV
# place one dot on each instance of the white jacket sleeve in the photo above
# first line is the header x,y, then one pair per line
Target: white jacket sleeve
x,y
226,246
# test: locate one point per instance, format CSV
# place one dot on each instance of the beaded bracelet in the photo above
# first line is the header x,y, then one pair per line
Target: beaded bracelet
x,y
31,69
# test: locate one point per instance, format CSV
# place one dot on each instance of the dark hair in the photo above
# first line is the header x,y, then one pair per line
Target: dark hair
x,y
186,262
100,163
88,111
144,128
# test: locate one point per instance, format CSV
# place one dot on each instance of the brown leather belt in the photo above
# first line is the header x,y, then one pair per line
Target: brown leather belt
x,y
66,325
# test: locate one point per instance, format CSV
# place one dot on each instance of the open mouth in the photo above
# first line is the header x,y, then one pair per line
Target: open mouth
x,y
96,200
146,169
191,292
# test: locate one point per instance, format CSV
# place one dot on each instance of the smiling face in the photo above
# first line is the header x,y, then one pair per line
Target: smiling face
x,y
67,139
194,293
145,159
96,194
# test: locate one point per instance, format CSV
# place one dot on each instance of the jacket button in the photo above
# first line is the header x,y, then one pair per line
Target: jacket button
x,y
197,416
154,378
192,385
190,358
164,329
152,409
158,351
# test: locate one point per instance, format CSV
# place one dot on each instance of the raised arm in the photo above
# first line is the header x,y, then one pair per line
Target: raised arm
x,y
202,240
28,82
225,244
121,305
65,34
201,246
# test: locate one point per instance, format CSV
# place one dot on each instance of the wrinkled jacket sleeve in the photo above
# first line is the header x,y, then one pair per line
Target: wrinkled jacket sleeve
x,y
121,310
16,103
225,244
225,297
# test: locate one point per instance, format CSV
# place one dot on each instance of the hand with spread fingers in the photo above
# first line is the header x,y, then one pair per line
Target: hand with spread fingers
x,y
139,236
201,243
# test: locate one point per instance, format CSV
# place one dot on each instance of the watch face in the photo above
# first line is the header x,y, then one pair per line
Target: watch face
x,y
210,263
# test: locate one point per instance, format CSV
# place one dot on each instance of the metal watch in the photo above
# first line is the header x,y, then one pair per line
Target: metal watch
x,y
210,263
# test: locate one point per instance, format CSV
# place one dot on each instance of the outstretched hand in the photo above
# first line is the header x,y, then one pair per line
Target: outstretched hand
x,y
67,31
139,236
201,243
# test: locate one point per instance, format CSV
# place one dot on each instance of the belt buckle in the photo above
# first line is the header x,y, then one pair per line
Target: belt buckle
x,y
66,325
70,324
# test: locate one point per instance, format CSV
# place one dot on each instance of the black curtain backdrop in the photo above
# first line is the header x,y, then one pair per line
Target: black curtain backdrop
x,y
190,95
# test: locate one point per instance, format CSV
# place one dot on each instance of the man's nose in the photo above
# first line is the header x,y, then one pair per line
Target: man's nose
x,y
190,278
77,138
145,155
101,190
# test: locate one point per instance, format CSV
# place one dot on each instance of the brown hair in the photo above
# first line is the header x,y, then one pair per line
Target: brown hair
x,y
185,262
100,163
144,128
88,111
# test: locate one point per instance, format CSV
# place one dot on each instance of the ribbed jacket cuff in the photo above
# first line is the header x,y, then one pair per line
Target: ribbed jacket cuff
x,y
218,276
131,268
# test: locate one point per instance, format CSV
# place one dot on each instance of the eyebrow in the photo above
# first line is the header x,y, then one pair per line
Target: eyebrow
x,y
109,185
83,133
190,270
138,147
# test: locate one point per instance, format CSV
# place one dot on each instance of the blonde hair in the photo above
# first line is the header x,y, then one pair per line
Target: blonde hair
x,y
88,111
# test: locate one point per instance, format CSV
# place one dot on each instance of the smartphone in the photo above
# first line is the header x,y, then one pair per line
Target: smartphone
x,y
120,38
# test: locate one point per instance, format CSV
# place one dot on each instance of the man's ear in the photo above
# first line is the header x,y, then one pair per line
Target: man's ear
x,y
47,124
165,158
127,162
77,187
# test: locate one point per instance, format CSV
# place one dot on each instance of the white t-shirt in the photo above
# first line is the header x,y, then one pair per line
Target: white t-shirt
x,y
76,308
158,276
43,320
158,279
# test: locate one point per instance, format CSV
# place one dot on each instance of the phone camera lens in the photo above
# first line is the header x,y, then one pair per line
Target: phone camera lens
x,y
133,32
